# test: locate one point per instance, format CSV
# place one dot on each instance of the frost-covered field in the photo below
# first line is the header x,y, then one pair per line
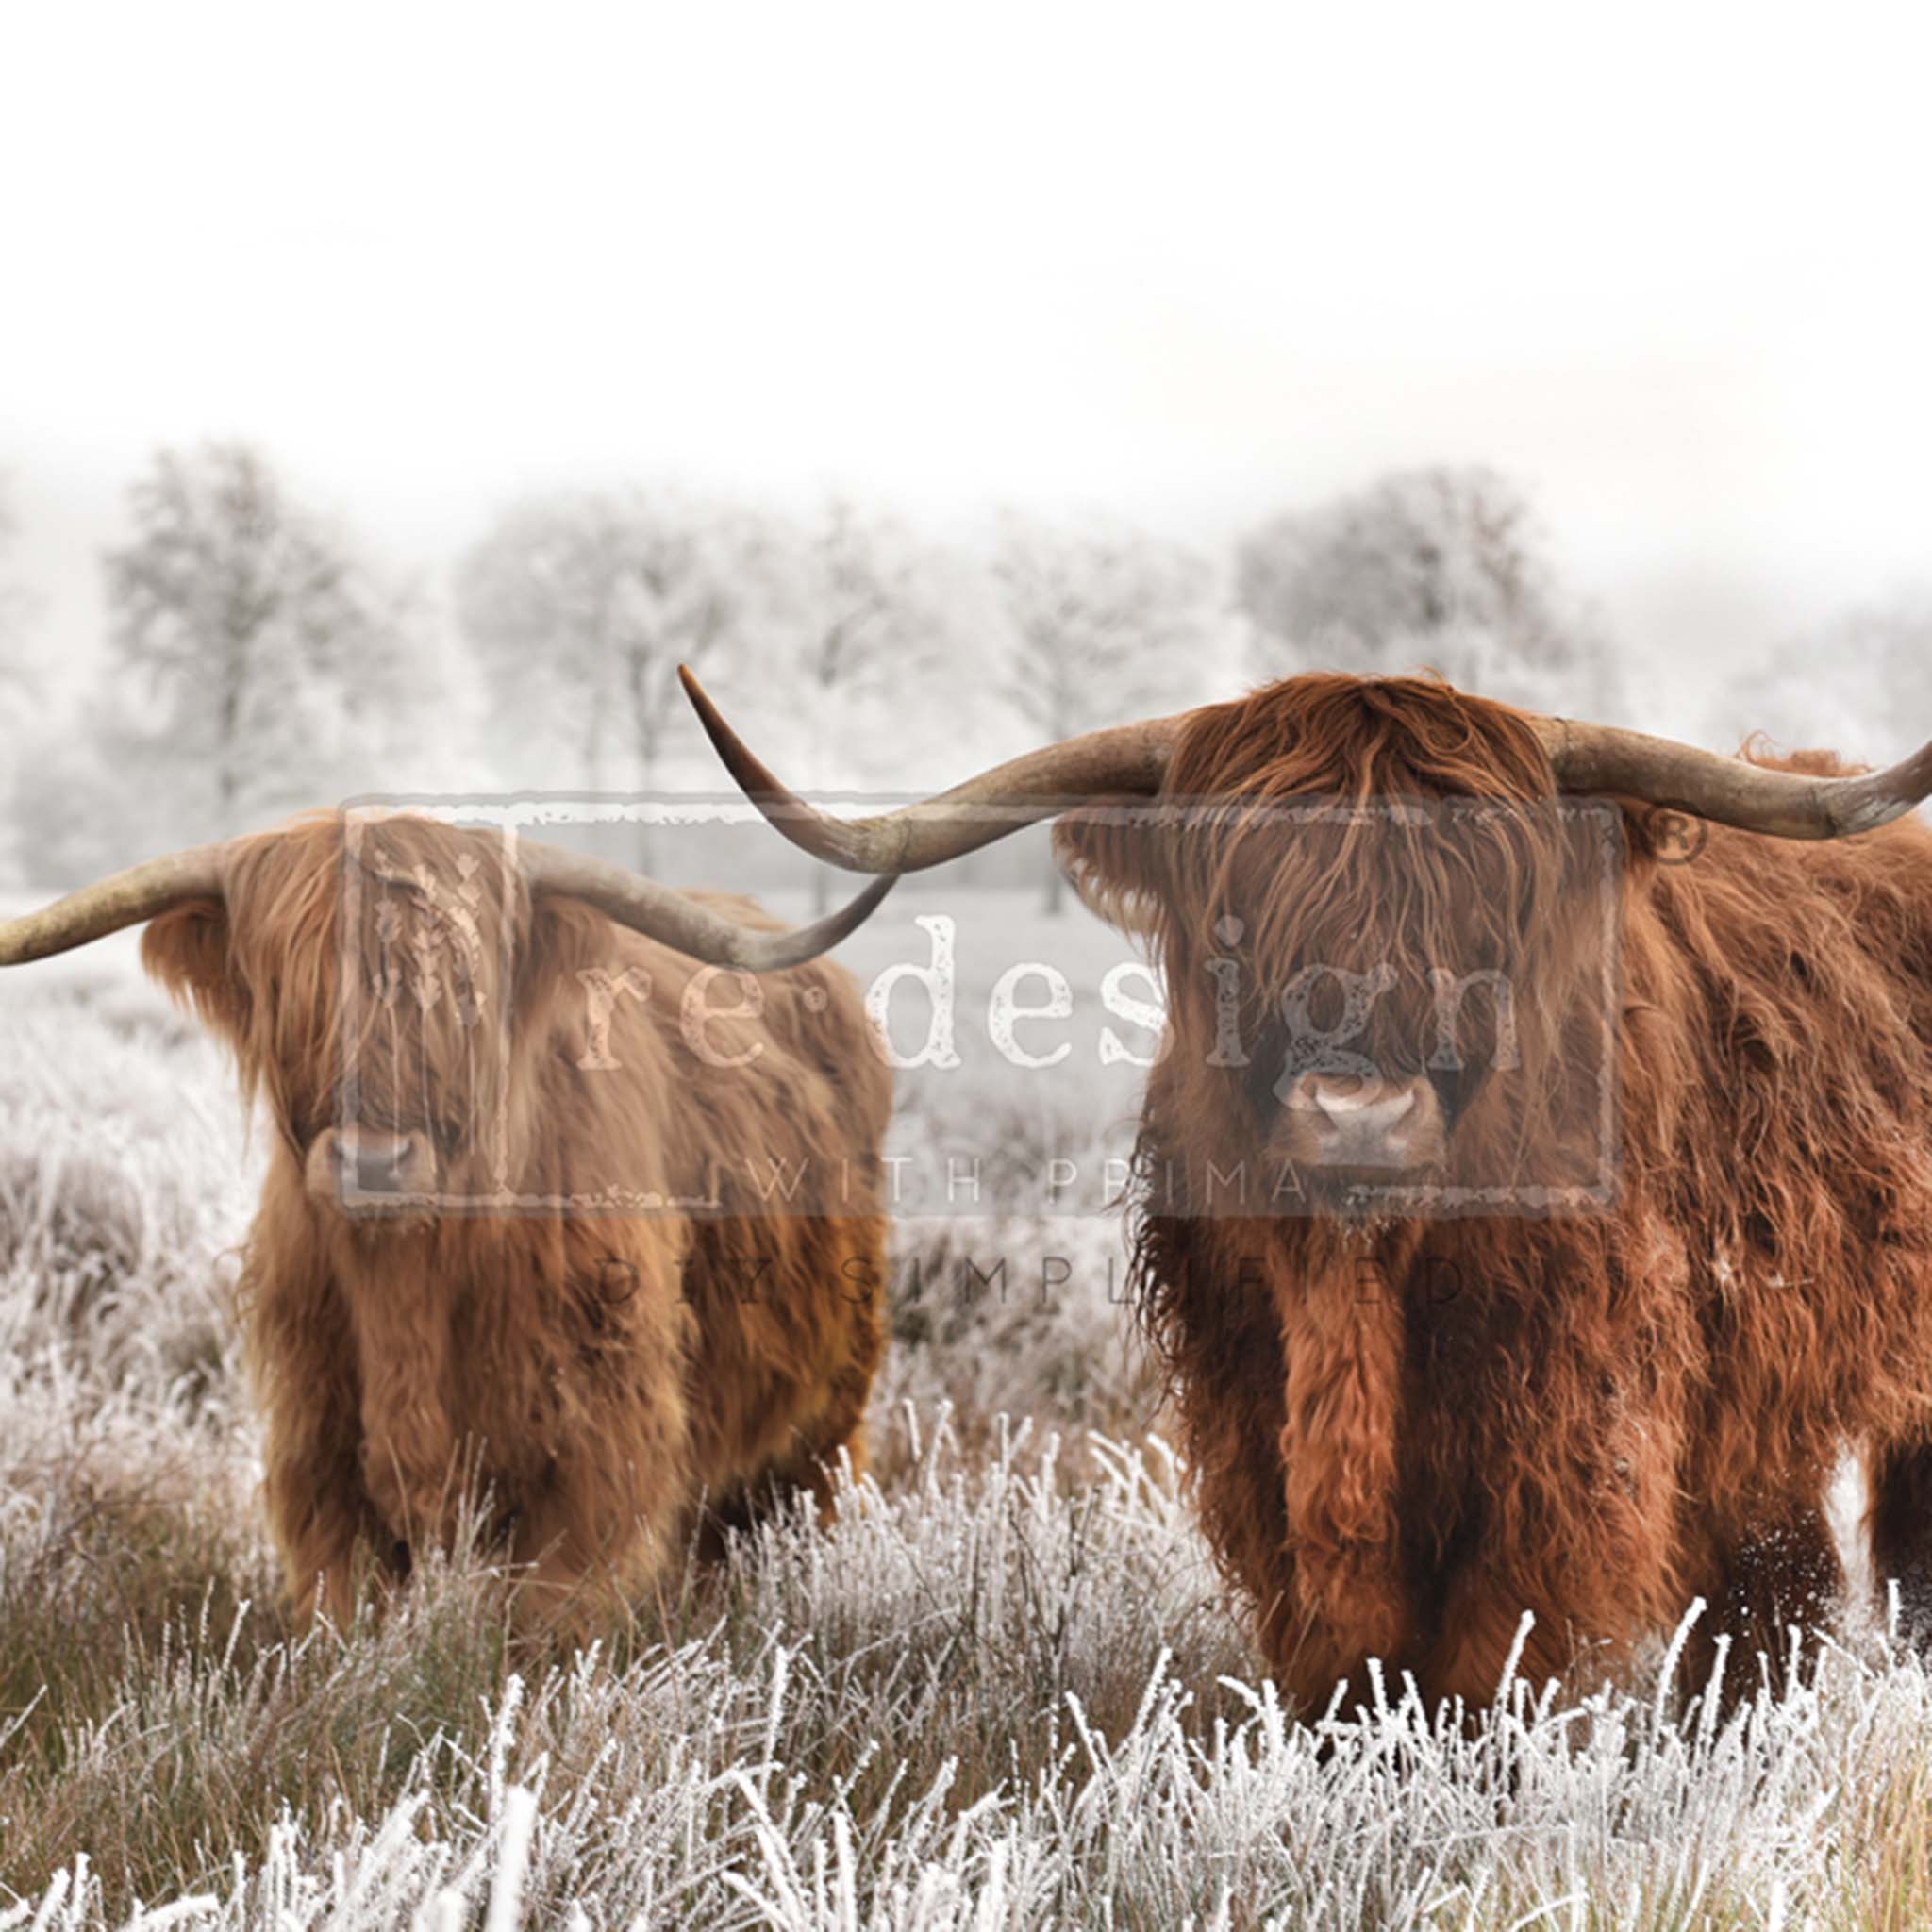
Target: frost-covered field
x,y
1003,1690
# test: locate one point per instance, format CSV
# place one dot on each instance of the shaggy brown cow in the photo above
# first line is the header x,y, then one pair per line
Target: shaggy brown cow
x,y
1443,1393
494,1086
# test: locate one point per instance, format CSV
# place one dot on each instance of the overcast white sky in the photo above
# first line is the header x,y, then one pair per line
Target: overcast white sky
x,y
1668,267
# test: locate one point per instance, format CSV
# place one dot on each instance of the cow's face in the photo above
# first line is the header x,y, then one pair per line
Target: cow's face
x,y
369,980
1383,938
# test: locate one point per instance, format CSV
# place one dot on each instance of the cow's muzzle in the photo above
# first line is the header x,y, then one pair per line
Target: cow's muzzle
x,y
371,1170
1344,1120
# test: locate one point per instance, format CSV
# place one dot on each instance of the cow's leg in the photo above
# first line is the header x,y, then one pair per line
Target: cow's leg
x,y
1899,1523
1777,1569
812,1368
413,1458
1479,1629
1318,1666
579,1565
597,1523
319,1511
302,1360
1560,1506
810,1466
1594,1585
836,1436
857,1263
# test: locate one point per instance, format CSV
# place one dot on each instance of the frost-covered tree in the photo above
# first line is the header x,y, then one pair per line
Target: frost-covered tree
x,y
861,645
580,607
20,688
1445,567
17,609
268,667
1108,625
856,622
1859,685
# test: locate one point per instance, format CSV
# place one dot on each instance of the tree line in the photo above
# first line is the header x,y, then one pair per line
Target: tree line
x,y
260,657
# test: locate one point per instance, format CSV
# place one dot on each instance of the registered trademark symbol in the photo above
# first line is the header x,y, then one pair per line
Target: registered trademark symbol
x,y
1676,836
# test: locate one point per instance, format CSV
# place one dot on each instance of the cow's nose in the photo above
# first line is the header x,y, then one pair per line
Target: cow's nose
x,y
374,1162
1363,1108
1350,1121
358,1166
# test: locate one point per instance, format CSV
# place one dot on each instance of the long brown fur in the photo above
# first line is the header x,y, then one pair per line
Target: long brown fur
x,y
602,1373
1614,1411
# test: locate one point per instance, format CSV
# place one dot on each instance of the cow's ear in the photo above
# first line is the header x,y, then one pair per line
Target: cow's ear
x,y
187,951
1116,859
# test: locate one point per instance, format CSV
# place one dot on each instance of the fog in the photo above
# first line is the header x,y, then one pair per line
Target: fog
x,y
1664,273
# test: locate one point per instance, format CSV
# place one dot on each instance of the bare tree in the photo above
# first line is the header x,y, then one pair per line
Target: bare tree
x,y
1108,625
1439,566
858,630
581,607
20,688
268,651
857,622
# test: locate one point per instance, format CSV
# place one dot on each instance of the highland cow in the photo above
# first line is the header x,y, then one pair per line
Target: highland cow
x,y
1471,1375
513,1235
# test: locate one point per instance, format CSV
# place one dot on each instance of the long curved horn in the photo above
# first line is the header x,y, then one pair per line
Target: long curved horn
x,y
1783,805
142,893
664,914
1123,760
146,890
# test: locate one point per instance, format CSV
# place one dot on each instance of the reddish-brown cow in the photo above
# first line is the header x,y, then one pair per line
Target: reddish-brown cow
x,y
512,1229
1415,1409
